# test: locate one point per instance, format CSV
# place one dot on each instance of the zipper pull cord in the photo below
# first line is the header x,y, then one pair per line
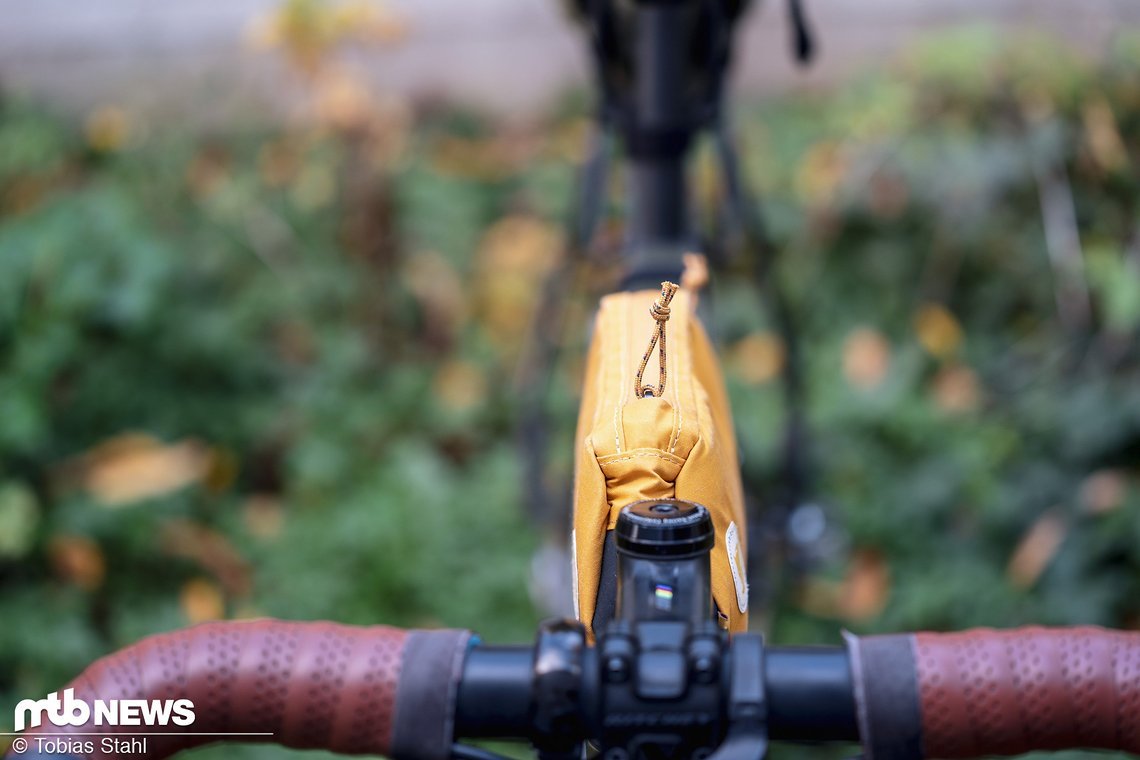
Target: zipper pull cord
x,y
660,313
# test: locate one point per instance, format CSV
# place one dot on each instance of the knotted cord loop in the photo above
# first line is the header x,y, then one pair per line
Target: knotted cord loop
x,y
660,313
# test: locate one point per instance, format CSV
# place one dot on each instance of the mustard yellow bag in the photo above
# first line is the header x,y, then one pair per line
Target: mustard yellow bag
x,y
678,445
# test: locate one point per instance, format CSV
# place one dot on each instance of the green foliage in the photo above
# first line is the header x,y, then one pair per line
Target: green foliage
x,y
925,188
169,289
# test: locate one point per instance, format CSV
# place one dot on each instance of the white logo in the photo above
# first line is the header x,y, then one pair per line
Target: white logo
x,y
736,564
70,711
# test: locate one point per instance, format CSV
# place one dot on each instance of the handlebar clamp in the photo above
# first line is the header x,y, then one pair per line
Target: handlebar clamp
x,y
558,680
661,689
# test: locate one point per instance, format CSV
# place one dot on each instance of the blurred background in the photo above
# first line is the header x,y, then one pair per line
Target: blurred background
x,y
268,271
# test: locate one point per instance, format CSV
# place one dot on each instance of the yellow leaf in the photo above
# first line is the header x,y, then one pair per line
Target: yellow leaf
x,y
460,385
1104,139
107,128
369,21
303,29
480,158
263,516
512,262
201,601
134,466
439,290
821,172
77,560
866,587
866,358
937,330
1036,549
342,101
758,358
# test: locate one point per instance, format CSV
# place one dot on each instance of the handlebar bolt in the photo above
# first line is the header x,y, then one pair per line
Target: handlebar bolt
x,y
704,669
617,669
704,657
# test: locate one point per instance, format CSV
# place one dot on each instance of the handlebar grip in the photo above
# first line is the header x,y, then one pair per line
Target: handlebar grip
x,y
1009,692
354,690
989,692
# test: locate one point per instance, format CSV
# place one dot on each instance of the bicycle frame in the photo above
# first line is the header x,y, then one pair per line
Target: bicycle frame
x,y
657,100
652,95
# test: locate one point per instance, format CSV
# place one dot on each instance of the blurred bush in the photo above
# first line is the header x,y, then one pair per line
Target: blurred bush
x,y
260,373
269,371
960,237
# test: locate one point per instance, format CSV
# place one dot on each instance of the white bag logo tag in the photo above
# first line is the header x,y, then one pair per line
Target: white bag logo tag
x,y
736,564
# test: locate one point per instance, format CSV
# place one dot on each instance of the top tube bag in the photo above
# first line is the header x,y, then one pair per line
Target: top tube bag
x,y
679,445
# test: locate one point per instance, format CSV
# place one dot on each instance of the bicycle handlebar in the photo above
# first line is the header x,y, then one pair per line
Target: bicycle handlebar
x,y
987,692
355,690
408,694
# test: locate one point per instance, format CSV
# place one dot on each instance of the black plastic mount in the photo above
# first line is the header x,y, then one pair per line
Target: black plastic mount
x,y
551,692
662,690
654,689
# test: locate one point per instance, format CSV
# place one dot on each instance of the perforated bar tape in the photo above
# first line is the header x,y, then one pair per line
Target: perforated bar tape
x,y
989,692
353,690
